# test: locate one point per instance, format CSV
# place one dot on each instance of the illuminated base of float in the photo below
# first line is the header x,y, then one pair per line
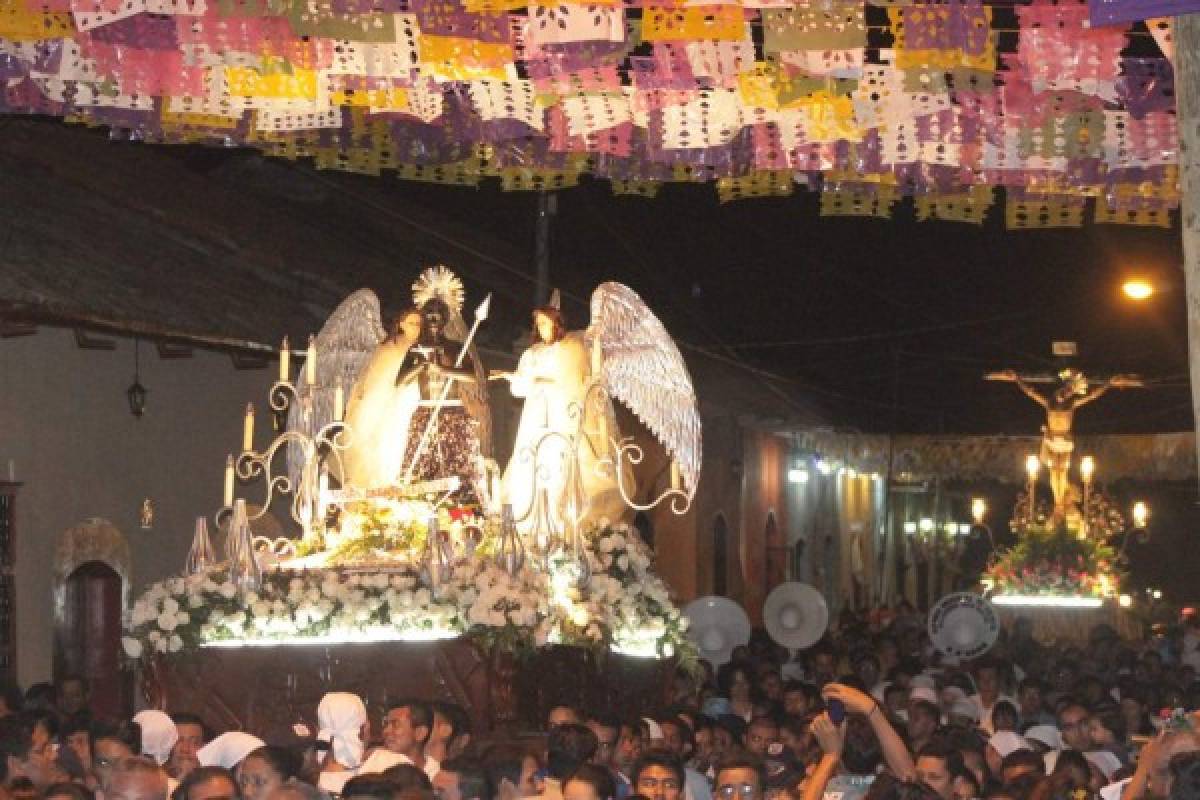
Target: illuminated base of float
x,y
1065,618
267,687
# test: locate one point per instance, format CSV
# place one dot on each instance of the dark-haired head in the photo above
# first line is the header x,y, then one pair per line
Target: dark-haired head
x,y
597,780
568,746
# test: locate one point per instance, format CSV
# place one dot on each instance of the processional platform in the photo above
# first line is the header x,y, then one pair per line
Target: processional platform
x,y
268,689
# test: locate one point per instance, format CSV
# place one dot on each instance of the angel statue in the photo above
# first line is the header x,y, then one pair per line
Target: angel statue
x,y
567,442
356,352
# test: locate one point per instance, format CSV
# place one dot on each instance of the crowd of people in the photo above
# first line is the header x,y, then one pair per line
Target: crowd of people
x,y
872,711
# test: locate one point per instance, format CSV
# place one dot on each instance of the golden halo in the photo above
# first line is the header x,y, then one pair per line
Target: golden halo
x,y
441,283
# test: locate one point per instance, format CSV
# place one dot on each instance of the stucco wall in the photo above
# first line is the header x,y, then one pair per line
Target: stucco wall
x,y
65,422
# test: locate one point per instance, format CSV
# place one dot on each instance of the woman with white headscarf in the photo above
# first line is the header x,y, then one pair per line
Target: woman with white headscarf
x,y
158,734
342,723
228,750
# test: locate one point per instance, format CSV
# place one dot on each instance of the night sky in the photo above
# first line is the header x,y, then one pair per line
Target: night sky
x,y
889,325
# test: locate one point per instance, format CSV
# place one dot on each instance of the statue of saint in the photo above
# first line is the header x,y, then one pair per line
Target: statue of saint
x,y
1057,441
443,438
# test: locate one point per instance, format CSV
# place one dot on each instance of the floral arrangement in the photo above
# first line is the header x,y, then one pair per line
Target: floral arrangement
x,y
623,605
1052,560
385,531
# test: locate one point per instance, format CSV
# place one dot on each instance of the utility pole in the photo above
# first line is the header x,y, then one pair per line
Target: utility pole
x,y
1187,113
547,208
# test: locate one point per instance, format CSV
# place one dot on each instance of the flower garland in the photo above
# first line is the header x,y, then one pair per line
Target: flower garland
x,y
624,605
1052,560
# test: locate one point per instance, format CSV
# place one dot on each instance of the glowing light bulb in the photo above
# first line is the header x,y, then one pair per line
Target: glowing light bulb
x,y
1087,468
1032,465
797,475
978,509
1141,514
1138,289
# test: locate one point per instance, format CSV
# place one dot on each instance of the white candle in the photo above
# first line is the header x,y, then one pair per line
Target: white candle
x,y
285,358
339,402
310,362
248,429
676,476
12,471
229,480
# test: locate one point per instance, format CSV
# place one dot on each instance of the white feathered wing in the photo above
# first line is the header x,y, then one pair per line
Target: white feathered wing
x,y
642,367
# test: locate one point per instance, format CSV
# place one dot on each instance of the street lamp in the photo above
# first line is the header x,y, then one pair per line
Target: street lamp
x,y
1138,289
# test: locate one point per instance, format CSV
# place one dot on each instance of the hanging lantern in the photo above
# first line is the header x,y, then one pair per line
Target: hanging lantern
x,y
136,393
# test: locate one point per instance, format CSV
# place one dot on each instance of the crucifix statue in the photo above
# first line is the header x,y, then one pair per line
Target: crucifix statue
x,y
1057,442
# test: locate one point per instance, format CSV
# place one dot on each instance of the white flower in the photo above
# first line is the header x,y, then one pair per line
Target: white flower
x,y
183,618
623,562
195,600
167,621
160,646
170,606
227,590
133,647
260,609
175,644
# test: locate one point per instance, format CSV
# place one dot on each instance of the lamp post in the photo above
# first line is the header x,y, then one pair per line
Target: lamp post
x,y
1032,465
1087,468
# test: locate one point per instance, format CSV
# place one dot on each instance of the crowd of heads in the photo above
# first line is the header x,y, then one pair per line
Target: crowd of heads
x,y
872,711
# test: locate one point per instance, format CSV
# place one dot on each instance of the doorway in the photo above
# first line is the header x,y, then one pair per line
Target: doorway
x,y
88,639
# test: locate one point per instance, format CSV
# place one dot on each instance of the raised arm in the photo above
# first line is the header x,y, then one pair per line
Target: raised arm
x,y
832,739
895,752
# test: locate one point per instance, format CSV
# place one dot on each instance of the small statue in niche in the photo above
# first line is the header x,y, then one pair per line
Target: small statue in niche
x,y
147,514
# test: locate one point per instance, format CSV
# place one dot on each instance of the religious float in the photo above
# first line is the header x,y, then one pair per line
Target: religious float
x,y
421,566
1064,574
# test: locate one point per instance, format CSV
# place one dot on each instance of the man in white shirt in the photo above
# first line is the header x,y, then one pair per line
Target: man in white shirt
x,y
406,728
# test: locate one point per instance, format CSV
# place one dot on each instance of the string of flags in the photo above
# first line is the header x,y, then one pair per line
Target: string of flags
x,y
866,103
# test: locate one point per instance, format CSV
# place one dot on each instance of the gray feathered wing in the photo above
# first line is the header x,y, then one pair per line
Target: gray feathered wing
x,y
344,347
642,367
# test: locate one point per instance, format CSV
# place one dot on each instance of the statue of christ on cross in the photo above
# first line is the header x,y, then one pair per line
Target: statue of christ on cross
x,y
1057,442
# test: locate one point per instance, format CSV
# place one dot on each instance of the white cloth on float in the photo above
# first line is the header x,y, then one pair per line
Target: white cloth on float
x,y
340,720
159,734
228,750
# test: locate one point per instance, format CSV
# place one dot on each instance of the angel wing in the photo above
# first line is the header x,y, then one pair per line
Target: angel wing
x,y
344,346
642,367
474,396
